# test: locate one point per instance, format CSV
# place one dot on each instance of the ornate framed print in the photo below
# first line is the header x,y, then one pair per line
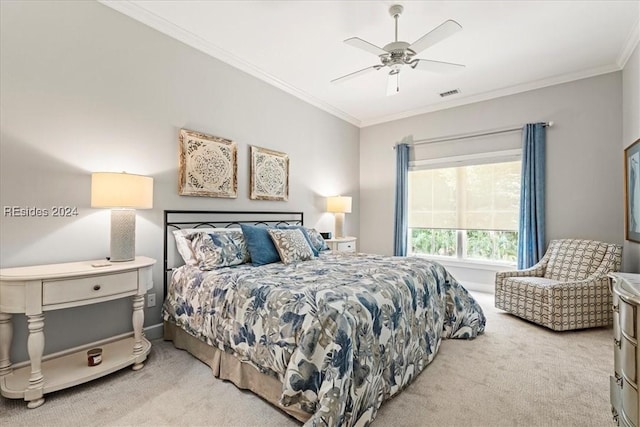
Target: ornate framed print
x,y
269,175
208,166
632,191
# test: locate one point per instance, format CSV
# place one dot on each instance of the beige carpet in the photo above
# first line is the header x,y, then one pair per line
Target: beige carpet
x,y
516,374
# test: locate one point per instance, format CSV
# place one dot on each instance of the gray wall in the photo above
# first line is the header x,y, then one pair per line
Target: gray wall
x,y
631,133
584,178
85,88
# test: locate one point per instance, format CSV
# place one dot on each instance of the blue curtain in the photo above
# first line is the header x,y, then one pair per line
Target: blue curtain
x,y
531,244
401,232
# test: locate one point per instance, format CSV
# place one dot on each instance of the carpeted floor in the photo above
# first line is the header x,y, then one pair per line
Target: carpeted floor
x,y
516,374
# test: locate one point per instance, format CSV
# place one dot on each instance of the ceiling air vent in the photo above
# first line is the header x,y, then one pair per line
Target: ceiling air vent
x,y
450,92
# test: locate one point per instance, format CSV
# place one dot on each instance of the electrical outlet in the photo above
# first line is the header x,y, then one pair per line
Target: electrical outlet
x,y
151,300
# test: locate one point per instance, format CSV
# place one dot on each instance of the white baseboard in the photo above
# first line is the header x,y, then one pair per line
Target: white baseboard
x,y
480,287
154,332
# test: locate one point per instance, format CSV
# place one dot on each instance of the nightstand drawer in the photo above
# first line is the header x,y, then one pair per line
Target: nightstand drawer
x,y
629,401
617,358
342,244
627,318
615,392
347,247
87,288
628,362
616,315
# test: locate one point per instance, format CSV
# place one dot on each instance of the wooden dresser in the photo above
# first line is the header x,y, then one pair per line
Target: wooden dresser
x,y
625,288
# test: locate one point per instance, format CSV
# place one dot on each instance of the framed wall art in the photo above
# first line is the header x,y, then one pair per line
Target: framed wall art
x,y
208,165
632,191
269,175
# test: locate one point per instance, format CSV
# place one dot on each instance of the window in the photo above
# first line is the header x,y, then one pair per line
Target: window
x,y
468,212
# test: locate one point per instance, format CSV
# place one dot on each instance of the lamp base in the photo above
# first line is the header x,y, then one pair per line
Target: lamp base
x,y
339,225
123,235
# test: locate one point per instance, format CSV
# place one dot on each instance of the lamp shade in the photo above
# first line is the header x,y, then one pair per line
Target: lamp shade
x,y
339,204
121,190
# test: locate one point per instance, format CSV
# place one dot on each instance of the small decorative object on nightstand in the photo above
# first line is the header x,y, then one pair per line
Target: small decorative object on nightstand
x,y
344,244
623,385
34,290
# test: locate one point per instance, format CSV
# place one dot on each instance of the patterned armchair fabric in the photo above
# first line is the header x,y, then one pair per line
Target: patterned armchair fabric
x,y
567,289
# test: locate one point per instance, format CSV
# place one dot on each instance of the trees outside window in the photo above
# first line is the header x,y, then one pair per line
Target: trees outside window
x,y
467,212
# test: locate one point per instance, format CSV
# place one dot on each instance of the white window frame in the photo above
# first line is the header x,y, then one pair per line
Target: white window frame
x,y
459,257
466,160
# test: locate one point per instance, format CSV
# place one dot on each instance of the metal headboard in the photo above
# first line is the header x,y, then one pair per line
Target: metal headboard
x,y
181,219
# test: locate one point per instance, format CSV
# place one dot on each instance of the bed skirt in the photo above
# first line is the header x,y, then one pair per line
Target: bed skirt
x,y
228,367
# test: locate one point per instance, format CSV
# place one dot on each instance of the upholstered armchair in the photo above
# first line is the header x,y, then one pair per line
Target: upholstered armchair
x,y
567,289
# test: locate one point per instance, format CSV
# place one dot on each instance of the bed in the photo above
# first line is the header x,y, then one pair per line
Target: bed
x,y
326,339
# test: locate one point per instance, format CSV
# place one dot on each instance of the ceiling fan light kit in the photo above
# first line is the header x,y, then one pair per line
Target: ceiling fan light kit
x,y
397,54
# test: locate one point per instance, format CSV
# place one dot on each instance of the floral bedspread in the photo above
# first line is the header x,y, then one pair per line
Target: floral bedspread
x,y
342,332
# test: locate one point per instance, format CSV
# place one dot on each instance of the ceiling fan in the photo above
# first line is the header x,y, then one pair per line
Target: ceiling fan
x,y
397,54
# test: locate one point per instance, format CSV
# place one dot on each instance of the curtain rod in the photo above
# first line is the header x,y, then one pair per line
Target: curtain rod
x,y
469,135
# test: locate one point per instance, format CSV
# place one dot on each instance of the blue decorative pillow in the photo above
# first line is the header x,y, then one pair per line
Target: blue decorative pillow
x,y
317,241
304,233
260,245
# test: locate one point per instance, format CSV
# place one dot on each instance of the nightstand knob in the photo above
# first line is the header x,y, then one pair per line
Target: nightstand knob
x,y
96,287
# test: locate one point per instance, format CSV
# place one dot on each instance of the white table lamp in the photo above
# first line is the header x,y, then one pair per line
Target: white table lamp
x,y
339,205
123,193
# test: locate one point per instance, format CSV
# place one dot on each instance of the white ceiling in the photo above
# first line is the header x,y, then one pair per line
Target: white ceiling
x,y
507,46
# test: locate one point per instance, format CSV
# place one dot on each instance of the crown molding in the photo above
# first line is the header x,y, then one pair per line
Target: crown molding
x,y
158,23
499,93
630,45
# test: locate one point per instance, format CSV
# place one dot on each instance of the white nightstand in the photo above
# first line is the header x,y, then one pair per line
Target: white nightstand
x,y
342,244
36,289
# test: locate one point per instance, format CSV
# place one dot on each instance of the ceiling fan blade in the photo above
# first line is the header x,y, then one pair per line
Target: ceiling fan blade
x,y
356,73
436,66
365,45
446,29
393,86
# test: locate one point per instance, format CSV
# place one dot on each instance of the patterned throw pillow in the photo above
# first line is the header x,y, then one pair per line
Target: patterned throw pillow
x,y
184,244
317,241
184,240
292,245
215,250
304,232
